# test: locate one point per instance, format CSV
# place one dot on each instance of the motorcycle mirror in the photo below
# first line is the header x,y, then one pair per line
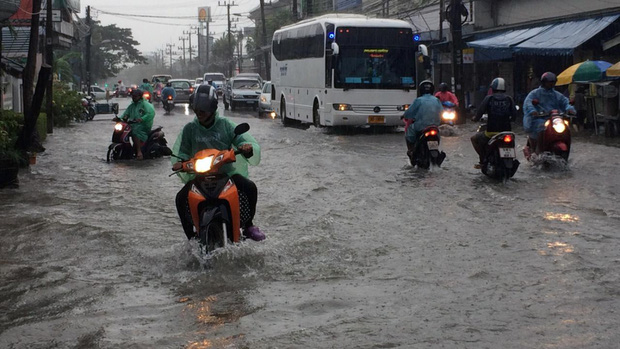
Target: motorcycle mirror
x,y
335,49
242,128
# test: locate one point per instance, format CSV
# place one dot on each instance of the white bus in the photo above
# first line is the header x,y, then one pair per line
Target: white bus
x,y
343,70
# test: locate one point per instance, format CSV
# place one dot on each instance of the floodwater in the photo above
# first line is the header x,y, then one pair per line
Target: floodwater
x,y
362,250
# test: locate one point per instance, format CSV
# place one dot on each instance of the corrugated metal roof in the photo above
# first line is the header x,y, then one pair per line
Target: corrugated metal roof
x,y
15,46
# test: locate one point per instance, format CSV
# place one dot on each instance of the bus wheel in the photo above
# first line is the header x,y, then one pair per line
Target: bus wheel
x,y
285,121
316,117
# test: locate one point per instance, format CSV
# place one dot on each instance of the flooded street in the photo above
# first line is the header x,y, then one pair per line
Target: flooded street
x,y
362,251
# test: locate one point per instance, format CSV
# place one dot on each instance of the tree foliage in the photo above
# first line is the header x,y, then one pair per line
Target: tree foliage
x,y
221,54
112,50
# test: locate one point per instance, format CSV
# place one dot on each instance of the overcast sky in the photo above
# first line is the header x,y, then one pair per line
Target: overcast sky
x,y
154,33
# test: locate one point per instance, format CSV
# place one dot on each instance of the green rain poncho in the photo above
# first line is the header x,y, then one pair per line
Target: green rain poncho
x,y
143,110
195,137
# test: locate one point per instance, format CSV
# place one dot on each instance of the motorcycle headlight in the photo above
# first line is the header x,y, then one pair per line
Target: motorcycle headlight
x,y
559,126
203,165
118,126
448,115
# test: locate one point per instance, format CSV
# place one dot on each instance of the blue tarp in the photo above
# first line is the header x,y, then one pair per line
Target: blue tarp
x,y
508,38
551,39
562,38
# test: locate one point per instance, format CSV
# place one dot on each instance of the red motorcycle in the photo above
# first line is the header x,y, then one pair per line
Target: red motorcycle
x,y
554,140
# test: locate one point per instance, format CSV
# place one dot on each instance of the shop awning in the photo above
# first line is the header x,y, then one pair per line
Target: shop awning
x,y
563,38
551,39
508,38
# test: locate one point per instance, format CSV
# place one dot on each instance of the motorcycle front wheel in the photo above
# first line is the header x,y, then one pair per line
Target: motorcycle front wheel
x,y
213,236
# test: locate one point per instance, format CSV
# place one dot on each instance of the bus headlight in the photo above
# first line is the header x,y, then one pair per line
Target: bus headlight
x,y
203,165
342,107
402,107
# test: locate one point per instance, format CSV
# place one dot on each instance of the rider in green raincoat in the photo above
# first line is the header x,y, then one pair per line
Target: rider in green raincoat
x,y
211,131
143,113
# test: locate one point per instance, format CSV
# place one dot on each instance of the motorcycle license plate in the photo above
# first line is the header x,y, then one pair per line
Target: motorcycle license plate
x,y
376,119
433,145
507,153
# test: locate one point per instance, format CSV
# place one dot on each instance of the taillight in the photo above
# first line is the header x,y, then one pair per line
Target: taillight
x,y
507,138
169,98
431,133
147,95
191,90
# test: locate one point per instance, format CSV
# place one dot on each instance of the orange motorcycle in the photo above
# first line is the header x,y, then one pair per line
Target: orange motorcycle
x,y
213,197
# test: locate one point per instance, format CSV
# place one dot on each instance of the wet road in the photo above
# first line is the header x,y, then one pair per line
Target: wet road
x,y
362,251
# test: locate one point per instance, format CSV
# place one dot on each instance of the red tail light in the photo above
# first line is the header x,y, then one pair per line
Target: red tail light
x,y
433,132
169,98
147,95
191,90
507,138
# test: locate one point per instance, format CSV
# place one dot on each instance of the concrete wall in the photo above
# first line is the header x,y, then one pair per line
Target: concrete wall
x,y
490,13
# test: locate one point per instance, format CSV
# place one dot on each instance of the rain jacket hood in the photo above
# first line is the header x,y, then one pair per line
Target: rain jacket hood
x,y
426,110
195,137
547,101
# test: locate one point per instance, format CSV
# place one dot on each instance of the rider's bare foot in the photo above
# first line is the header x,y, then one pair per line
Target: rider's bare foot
x,y
139,157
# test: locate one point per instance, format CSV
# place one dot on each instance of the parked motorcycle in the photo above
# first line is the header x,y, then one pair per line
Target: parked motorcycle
x,y
427,150
448,116
213,198
555,140
122,149
88,108
168,104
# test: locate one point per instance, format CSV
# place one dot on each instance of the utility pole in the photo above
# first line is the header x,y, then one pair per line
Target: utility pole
x,y
240,59
189,35
49,57
182,38
264,38
230,47
89,23
169,48
454,12
441,19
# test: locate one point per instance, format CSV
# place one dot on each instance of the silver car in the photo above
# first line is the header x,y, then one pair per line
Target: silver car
x,y
242,92
264,102
183,88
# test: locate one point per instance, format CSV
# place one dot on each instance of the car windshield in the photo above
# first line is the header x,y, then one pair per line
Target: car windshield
x,y
246,85
180,84
162,78
214,77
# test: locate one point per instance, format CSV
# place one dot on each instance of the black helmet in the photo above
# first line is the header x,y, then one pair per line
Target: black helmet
x,y
136,92
443,87
145,80
205,99
498,84
549,77
168,84
426,87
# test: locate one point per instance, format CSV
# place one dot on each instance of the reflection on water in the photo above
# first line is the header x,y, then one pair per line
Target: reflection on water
x,y
562,217
557,248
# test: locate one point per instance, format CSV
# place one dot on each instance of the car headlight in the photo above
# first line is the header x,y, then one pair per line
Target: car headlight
x,y
342,107
203,165
263,99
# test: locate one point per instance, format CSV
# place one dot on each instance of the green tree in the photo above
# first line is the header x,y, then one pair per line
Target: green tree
x,y
112,50
65,65
221,53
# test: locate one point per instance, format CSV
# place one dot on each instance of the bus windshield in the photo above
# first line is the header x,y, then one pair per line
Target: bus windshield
x,y
375,58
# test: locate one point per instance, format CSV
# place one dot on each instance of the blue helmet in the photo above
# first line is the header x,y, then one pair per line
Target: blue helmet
x,y
498,84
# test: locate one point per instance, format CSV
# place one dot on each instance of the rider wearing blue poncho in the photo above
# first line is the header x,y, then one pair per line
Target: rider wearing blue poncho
x,y
211,131
425,111
548,99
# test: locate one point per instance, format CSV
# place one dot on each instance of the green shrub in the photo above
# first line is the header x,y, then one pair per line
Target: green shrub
x,y
10,125
66,105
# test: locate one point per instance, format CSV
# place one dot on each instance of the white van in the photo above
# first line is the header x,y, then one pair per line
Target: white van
x,y
217,80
